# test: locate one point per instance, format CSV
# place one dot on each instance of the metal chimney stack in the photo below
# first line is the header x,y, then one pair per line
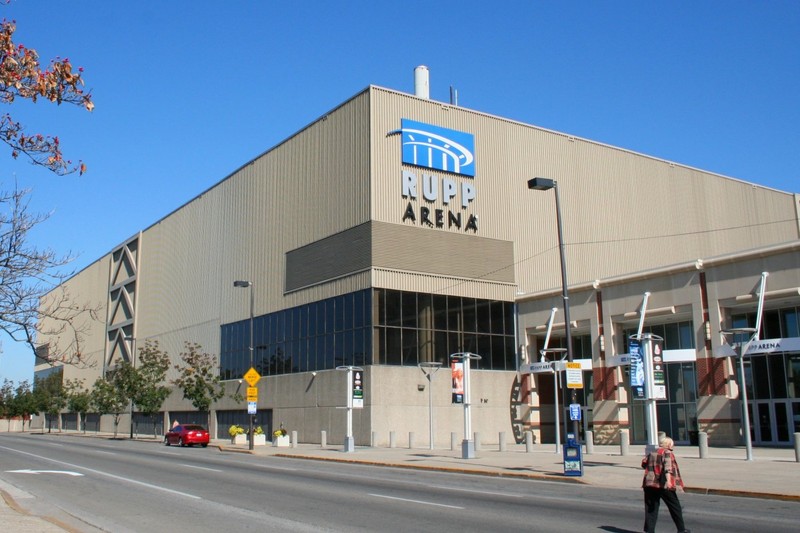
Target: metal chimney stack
x,y
422,87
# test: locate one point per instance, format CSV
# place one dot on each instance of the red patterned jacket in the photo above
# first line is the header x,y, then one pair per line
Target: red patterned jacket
x,y
658,462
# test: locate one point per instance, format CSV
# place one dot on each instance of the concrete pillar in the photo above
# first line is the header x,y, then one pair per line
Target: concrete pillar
x,y
373,439
477,439
589,441
528,441
411,440
392,440
453,441
702,443
624,442
502,439
294,439
797,447
323,439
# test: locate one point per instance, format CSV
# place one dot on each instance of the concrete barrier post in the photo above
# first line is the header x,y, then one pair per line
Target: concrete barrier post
x,y
294,439
453,441
392,440
624,442
797,447
411,440
589,442
702,444
528,441
323,439
477,438
502,439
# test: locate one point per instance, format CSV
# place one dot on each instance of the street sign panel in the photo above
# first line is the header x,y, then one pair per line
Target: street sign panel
x,y
537,368
574,376
252,377
358,389
252,408
252,394
574,411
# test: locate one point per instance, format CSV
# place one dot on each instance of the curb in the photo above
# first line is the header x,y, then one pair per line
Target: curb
x,y
743,494
455,470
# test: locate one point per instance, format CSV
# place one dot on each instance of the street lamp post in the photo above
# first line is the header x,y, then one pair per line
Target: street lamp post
x,y
429,368
249,284
742,349
544,184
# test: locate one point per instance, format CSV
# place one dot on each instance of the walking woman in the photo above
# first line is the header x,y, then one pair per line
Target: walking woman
x,y
662,481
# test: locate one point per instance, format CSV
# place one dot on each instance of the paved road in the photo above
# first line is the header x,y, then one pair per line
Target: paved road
x,y
119,485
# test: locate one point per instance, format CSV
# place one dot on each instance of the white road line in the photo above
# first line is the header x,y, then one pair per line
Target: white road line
x,y
455,489
201,468
101,473
105,452
415,501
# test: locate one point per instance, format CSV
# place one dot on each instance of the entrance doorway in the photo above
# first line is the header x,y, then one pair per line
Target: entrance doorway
x,y
774,422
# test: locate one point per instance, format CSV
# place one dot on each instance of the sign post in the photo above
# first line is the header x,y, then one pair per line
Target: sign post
x,y
461,362
647,380
252,377
355,399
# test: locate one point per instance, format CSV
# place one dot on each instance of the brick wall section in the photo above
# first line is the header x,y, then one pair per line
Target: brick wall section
x,y
711,376
605,383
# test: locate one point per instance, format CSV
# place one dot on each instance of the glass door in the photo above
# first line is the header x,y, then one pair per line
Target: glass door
x,y
773,421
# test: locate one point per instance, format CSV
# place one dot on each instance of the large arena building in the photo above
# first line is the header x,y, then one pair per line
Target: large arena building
x,y
396,230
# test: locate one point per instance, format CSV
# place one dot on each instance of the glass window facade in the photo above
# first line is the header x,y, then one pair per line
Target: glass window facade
x,y
412,328
374,326
776,375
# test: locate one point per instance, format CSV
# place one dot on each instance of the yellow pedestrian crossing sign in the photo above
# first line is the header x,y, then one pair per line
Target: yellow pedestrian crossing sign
x,y
252,377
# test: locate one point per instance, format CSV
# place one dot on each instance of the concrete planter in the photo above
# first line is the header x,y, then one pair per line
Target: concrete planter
x,y
282,442
239,439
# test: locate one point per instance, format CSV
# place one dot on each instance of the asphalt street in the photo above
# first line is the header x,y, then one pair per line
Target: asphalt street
x,y
120,485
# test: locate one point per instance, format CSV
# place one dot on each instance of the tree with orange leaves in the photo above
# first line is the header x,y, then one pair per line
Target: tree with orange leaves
x,y
21,76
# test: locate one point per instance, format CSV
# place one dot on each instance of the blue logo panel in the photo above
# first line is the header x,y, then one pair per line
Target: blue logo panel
x,y
438,148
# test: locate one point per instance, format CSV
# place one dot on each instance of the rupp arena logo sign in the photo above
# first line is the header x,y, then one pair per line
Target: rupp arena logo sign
x,y
436,148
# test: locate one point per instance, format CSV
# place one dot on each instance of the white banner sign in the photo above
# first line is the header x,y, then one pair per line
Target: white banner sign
x,y
792,344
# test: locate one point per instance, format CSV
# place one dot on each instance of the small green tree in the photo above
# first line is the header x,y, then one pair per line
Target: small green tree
x,y
108,397
78,399
24,404
50,396
150,390
6,399
199,377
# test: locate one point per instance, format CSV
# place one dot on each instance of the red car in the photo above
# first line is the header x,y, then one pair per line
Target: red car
x,y
187,435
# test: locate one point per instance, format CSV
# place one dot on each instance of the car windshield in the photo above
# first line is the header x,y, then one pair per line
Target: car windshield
x,y
194,428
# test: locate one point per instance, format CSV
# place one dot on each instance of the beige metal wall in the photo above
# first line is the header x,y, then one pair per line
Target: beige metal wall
x,y
89,290
623,212
312,186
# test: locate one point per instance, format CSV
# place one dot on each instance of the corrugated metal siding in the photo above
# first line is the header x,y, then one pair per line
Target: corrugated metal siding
x,y
312,186
623,212
88,289
329,258
415,249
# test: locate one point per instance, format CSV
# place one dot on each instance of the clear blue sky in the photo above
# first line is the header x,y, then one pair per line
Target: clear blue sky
x,y
188,91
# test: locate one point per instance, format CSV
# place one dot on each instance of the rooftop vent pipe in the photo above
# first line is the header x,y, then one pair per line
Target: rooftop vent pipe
x,y
422,87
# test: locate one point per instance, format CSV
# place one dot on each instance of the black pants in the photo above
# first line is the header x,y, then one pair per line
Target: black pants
x,y
652,501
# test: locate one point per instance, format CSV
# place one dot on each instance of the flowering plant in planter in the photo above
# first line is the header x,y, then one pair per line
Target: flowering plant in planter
x,y
235,430
258,431
280,433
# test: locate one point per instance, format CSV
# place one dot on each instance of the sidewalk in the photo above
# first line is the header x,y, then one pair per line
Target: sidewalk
x,y
773,473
